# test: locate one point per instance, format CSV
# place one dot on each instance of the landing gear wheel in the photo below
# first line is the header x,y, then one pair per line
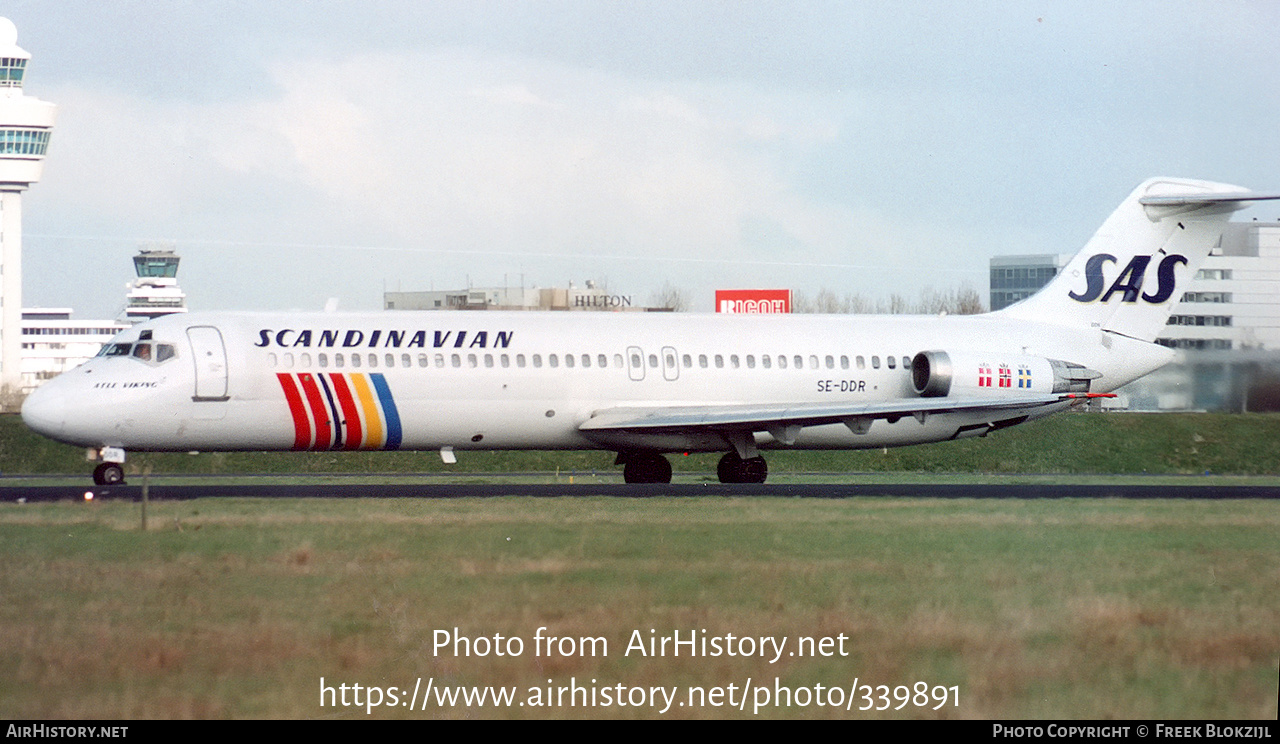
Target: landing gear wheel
x,y
734,469
109,474
646,468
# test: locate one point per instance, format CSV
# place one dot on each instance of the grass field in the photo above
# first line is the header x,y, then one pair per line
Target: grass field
x,y
1066,608
1076,443
238,608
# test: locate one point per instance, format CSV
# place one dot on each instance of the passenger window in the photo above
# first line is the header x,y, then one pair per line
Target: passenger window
x,y
568,361
702,361
339,360
586,360
891,362
602,360
390,360
653,361
422,360
455,360
323,360
862,362
472,361
537,361
844,362
719,361
766,361
617,361
304,360
553,360
799,360
355,360
782,361
488,361
271,359
671,360
506,361
688,361
831,362
751,361
406,360
288,361
373,359
875,362
813,361
520,361
440,360
733,360
906,362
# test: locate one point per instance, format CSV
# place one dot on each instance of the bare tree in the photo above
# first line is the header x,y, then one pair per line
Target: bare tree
x,y
827,302
671,298
962,301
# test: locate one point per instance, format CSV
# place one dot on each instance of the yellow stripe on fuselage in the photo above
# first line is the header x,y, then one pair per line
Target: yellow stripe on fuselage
x,y
374,436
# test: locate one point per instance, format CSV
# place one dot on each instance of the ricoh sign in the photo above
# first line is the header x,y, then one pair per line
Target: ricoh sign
x,y
753,301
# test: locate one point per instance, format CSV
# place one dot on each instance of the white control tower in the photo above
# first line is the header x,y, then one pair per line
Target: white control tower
x,y
156,291
25,126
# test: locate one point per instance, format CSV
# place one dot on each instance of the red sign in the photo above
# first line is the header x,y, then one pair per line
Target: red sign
x,y
753,301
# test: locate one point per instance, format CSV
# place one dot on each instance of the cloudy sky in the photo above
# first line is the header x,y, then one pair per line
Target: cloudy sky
x,y
297,151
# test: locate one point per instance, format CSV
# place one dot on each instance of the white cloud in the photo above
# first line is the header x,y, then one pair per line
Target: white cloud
x,y
452,150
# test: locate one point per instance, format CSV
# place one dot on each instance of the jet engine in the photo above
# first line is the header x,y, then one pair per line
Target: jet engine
x,y
936,374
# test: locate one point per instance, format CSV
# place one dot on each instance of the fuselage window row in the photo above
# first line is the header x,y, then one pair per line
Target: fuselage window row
x,y
504,361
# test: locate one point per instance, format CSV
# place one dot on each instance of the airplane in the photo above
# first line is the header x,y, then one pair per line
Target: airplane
x,y
644,384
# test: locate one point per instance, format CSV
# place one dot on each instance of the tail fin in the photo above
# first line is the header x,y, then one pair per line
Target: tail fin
x,y
1131,274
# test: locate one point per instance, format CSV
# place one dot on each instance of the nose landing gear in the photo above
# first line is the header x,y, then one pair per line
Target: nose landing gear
x,y
111,471
109,474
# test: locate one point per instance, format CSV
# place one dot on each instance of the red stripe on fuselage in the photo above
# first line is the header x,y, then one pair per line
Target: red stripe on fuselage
x,y
352,438
319,411
301,424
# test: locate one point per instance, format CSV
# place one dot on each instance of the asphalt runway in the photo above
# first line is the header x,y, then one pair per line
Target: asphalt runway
x,y
24,493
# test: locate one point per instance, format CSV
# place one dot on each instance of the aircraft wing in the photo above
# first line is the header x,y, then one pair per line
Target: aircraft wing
x,y
784,421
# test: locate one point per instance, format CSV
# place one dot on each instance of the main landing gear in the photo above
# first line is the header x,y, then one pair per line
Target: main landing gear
x,y
736,469
650,467
644,467
109,474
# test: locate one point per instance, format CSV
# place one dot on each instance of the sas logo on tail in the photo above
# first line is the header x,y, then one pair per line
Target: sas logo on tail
x,y
1129,283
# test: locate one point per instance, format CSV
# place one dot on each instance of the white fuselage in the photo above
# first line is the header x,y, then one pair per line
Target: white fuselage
x,y
512,380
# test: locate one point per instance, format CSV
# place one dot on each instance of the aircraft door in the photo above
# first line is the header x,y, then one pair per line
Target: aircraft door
x,y
635,363
211,363
670,364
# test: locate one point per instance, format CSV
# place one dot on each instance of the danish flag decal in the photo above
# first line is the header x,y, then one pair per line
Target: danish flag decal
x,y
340,410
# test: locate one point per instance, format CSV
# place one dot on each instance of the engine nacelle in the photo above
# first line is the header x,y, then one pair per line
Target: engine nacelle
x,y
936,374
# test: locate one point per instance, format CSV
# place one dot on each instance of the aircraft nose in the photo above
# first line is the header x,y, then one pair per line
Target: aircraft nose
x,y
45,411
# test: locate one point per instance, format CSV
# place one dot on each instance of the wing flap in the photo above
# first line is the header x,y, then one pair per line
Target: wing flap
x,y
787,418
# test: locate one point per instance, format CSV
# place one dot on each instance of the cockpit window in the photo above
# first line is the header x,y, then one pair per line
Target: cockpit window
x,y
145,351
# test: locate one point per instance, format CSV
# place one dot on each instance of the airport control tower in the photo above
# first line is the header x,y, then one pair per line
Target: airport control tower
x,y
156,291
25,126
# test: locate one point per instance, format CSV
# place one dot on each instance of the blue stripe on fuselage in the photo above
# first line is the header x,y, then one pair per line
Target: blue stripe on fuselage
x,y
389,411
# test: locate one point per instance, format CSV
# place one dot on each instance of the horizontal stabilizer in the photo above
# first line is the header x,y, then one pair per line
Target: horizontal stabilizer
x,y
1188,200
